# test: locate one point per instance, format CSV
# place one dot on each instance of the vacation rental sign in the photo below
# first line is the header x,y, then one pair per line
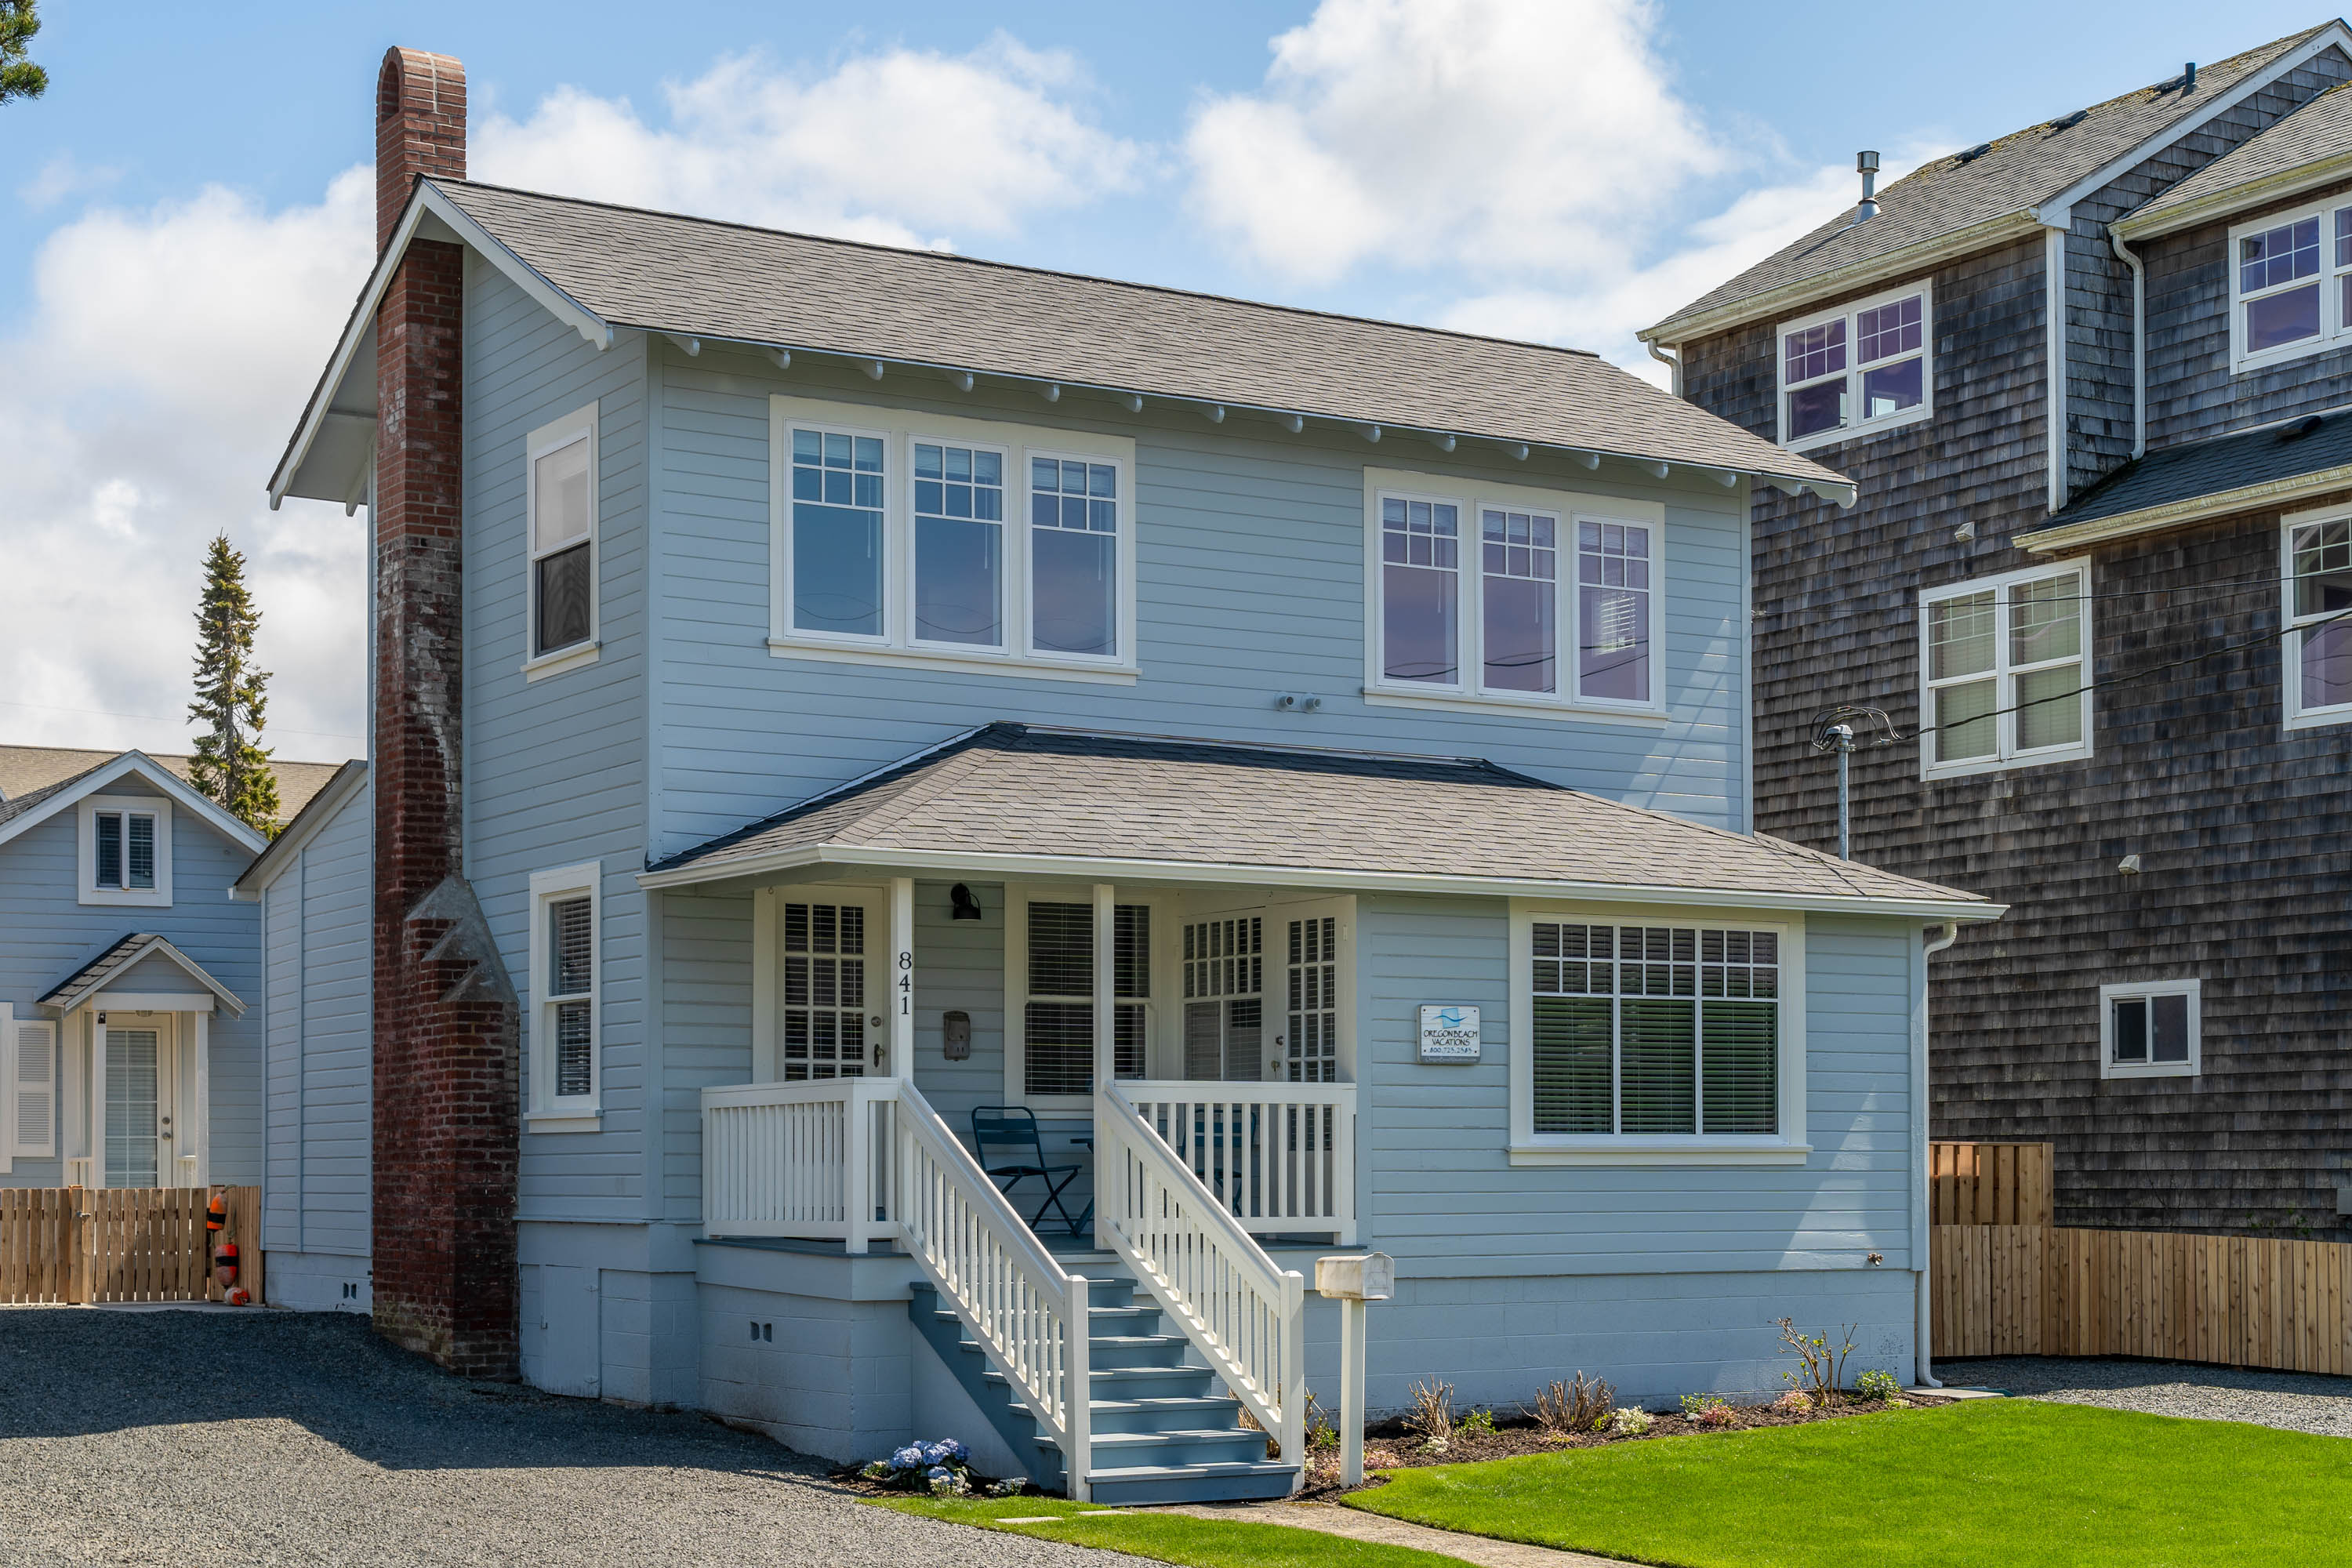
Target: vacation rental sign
x,y
1448,1033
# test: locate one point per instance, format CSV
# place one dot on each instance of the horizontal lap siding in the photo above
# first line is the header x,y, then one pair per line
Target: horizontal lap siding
x,y
555,768
337,1064
1441,1196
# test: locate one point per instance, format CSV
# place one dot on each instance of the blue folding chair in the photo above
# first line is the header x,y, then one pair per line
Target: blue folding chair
x,y
1012,1130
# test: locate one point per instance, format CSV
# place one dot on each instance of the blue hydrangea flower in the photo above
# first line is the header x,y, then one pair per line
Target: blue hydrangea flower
x,y
933,1453
939,1473
911,1457
955,1451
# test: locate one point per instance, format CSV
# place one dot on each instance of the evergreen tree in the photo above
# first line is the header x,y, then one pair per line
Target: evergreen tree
x,y
19,77
228,765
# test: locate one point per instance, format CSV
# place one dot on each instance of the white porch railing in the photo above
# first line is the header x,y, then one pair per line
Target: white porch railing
x,y
1209,1274
797,1160
1281,1157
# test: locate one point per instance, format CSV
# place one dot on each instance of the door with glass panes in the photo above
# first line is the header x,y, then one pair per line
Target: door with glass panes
x,y
1307,948
829,985
137,1080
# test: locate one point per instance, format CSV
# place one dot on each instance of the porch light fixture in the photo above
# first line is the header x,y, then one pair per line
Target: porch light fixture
x,y
963,905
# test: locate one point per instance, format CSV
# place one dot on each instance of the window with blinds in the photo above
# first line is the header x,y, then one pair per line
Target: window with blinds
x,y
571,999
125,849
1057,1051
1652,1030
1225,1002
1312,1016
823,992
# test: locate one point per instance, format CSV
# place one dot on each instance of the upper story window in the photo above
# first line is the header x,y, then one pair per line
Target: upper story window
x,y
980,546
2290,286
126,851
2005,672
561,503
1512,597
1856,369
566,1069
2318,643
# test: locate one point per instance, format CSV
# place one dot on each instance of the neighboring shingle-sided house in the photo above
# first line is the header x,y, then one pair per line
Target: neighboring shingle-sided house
x,y
128,1057
1301,762
2093,379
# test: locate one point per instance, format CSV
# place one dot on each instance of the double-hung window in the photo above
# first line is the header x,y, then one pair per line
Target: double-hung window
x,y
2006,671
2290,286
1057,1015
1859,368
561,501
126,851
1659,1036
953,541
566,1070
1512,597
2151,1028
2319,643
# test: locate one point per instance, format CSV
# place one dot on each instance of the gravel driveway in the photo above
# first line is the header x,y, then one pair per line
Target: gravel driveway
x,y
2299,1402
292,1439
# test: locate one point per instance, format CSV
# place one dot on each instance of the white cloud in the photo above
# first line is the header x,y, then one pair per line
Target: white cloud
x,y
63,176
904,146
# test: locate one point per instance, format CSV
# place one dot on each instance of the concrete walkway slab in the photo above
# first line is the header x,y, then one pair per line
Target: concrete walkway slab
x,y
1358,1525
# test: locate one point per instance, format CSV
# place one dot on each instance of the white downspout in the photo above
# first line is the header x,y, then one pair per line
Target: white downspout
x,y
1670,361
2139,343
2054,277
1922,1327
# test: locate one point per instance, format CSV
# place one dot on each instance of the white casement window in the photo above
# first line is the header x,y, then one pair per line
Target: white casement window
x,y
1050,952
2151,1028
1655,1039
1517,599
1857,369
561,504
566,966
2006,670
126,851
957,543
2317,573
2290,286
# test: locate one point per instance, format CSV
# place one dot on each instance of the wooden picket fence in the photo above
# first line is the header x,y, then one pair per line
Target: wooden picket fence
x,y
2017,1284
72,1246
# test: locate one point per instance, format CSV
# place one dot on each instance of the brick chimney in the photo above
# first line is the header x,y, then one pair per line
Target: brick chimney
x,y
446,1017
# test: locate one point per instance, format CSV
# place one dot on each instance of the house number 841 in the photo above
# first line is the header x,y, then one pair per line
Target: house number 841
x,y
906,982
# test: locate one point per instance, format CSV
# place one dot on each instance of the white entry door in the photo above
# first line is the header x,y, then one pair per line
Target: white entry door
x,y
1313,946
137,1084
1224,997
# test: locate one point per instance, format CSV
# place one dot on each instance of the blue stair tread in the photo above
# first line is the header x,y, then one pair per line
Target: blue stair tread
x,y
1235,1481
1153,1439
1185,1472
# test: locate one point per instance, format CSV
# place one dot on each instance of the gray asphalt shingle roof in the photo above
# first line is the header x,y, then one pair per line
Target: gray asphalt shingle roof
x,y
1017,789
2016,173
2320,128
695,277
2215,467
28,774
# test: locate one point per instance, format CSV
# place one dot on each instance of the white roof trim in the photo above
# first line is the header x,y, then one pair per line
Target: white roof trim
x,y
182,793
426,200
150,947
1090,868
307,825
2194,508
2229,200
2058,212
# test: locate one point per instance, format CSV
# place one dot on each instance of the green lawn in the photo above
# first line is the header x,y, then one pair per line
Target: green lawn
x,y
2006,1482
1173,1537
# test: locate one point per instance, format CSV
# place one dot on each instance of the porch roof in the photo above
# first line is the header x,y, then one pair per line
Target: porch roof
x,y
1031,800
91,977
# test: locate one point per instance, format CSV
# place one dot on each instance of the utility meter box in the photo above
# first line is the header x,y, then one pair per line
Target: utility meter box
x,y
1359,1277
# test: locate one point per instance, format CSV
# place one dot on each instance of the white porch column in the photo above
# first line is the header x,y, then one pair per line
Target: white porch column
x,y
97,1100
902,978
202,1120
1106,983
764,1067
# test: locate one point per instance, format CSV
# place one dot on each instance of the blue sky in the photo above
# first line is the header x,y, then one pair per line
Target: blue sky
x,y
182,226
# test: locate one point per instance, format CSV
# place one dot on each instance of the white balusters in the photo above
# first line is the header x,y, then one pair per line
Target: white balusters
x,y
1281,1157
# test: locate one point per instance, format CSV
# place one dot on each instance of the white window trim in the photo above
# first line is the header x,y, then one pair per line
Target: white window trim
x,y
1528,1147
2108,995
2333,332
1468,693
578,424
550,1112
2298,717
1856,430
900,430
2006,755
86,889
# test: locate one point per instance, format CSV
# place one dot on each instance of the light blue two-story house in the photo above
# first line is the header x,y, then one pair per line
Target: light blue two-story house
x,y
1302,761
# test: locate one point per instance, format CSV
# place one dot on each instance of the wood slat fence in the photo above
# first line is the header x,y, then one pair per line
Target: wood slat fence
x,y
72,1245
2014,1284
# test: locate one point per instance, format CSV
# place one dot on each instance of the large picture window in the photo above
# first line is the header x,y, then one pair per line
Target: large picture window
x,y
2290,286
1512,597
2319,645
1859,368
2006,670
560,498
952,542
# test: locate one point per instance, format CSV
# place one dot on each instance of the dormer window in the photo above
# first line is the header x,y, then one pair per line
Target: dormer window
x,y
2290,286
1856,369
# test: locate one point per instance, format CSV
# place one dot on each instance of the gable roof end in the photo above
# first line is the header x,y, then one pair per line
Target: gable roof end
x,y
2310,148
91,977
256,877
23,814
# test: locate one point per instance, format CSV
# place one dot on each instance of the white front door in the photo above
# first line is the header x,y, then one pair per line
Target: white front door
x,y
1312,947
137,1083
1224,998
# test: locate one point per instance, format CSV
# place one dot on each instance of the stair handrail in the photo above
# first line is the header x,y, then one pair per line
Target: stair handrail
x,y
1028,1313
1238,1308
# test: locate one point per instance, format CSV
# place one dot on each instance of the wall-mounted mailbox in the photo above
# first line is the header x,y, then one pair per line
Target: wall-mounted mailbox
x,y
955,1033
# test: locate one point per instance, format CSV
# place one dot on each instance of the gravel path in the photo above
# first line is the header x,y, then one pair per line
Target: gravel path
x,y
2298,1401
288,1438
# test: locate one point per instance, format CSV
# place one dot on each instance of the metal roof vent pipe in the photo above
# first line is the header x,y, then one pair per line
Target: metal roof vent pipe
x,y
1866,165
